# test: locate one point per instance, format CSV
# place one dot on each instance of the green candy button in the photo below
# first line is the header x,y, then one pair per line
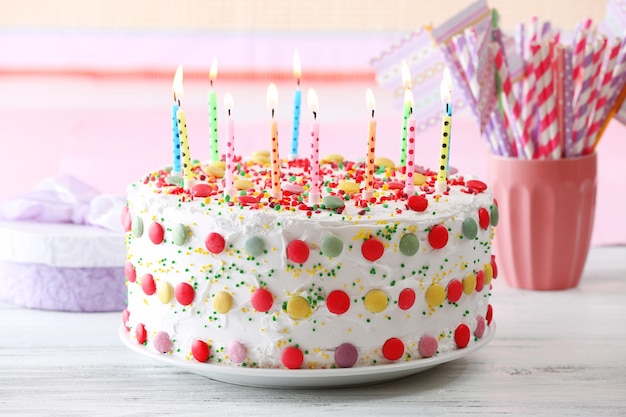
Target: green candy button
x,y
470,228
254,245
494,215
179,234
332,202
409,244
332,246
137,226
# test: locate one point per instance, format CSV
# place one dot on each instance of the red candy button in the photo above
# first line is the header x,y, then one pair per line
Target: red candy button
x,y
372,249
480,280
476,185
262,300
125,219
406,299
200,351
454,290
156,233
438,236
338,302
125,317
148,285
201,190
462,336
393,349
417,203
141,334
292,357
489,314
298,251
129,271
494,267
483,218
184,293
215,243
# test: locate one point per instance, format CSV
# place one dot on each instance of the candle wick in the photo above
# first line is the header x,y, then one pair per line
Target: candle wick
x,y
211,81
229,112
178,103
298,81
315,115
372,113
272,113
411,110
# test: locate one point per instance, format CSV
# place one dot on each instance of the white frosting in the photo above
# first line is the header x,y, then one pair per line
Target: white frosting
x,y
266,334
60,245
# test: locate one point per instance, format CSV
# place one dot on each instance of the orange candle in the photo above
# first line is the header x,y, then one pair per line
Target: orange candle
x,y
272,103
370,167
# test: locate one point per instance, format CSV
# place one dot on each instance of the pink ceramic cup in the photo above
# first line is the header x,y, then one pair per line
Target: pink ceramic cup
x,y
546,211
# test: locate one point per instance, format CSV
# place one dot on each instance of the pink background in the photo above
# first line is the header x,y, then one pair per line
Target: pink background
x,y
114,126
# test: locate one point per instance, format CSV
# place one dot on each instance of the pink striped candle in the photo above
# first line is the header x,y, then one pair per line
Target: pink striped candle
x,y
229,175
409,181
314,191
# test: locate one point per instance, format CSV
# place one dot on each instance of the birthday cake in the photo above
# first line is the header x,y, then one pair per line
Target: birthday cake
x,y
255,280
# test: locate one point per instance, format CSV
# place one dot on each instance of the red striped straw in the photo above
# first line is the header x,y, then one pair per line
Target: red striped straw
x,y
512,105
580,41
559,74
582,91
606,75
548,138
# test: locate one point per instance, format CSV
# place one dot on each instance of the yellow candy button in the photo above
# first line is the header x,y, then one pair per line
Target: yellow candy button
x,y
376,301
298,307
418,179
384,162
488,273
243,184
264,153
218,164
435,294
349,187
222,302
469,284
333,157
165,292
214,171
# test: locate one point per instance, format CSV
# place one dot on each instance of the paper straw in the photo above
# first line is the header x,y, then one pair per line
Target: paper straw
x,y
518,88
581,98
619,73
559,82
548,119
568,98
580,42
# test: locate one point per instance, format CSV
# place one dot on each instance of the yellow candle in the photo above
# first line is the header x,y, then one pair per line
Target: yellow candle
x,y
446,127
370,168
182,130
272,103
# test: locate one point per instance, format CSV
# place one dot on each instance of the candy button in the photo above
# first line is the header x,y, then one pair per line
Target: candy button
x,y
438,236
376,301
261,152
417,203
393,349
156,233
247,199
130,272
332,202
243,184
162,342
200,351
214,171
349,187
179,234
292,357
165,292
137,226
202,190
494,214
409,244
298,251
483,218
125,219
332,246
125,318
346,355
489,314
236,351
222,302
147,284
218,164
406,299
141,334
333,157
260,159
462,336
292,188
174,180
215,243
338,302
254,245
384,162
184,293
469,284
480,281
419,179
488,273
476,185
395,185
427,346
479,331
494,267
261,300
470,228
435,294
372,249
298,307
454,290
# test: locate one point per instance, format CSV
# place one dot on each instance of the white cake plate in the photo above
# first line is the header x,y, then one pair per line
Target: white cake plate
x,y
310,378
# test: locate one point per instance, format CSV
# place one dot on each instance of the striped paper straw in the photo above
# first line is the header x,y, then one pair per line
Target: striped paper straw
x,y
581,98
524,146
586,100
549,122
580,42
518,88
568,98
559,75
606,75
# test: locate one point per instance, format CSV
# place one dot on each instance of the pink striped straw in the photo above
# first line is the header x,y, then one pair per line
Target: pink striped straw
x,y
606,75
580,42
548,138
619,75
568,98
524,146
520,50
586,99
559,73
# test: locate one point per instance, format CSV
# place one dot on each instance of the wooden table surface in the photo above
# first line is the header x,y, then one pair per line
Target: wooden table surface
x,y
554,353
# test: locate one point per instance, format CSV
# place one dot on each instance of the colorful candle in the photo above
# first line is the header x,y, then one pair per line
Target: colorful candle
x,y
314,191
297,98
175,137
230,148
272,103
182,132
407,84
215,152
409,181
370,167
441,184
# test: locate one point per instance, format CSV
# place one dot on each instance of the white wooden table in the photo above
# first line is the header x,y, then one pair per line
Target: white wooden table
x,y
555,353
